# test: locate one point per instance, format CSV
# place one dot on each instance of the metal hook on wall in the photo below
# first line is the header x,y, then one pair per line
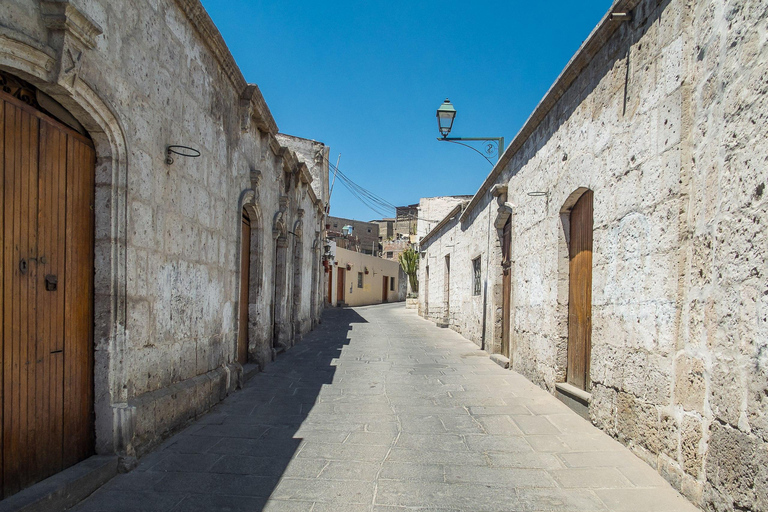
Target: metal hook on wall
x,y
181,151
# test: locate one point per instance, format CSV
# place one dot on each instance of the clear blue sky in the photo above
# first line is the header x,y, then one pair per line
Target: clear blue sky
x,y
366,78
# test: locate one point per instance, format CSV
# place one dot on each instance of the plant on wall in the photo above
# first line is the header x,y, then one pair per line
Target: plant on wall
x,y
409,261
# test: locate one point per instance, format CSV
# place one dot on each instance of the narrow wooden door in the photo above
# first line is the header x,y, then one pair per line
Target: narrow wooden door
x,y
245,281
46,304
330,285
580,293
384,288
340,285
506,286
447,288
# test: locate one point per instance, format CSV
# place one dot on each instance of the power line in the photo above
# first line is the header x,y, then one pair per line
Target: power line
x,y
373,201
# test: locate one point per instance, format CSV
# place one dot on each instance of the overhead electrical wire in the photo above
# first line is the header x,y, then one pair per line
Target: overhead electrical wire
x,y
374,202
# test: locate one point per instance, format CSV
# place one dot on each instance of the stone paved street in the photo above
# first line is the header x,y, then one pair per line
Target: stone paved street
x,y
379,410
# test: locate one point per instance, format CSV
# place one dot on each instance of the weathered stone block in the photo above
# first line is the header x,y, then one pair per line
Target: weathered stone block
x,y
737,466
690,383
691,447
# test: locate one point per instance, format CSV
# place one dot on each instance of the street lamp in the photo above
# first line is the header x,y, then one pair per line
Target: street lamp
x,y
445,116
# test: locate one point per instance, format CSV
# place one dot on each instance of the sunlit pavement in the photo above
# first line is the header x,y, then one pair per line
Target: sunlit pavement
x,y
380,410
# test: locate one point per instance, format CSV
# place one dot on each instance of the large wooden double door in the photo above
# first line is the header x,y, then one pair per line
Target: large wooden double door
x,y
46,295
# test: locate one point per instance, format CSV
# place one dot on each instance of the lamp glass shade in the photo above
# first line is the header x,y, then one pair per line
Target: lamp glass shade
x,y
445,116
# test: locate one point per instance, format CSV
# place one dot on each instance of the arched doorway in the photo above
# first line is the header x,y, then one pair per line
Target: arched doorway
x,y
580,292
46,303
279,331
506,286
298,260
245,286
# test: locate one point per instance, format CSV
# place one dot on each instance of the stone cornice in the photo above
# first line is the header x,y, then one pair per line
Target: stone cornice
x,y
584,55
212,38
62,15
255,107
304,174
199,18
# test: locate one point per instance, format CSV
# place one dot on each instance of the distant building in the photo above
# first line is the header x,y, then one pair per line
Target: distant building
x,y
386,228
360,236
356,279
434,209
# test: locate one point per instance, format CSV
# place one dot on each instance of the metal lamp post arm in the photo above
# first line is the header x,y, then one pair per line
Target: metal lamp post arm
x,y
499,144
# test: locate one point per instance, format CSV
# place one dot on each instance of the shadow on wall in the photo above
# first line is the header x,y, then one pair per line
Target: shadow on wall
x,y
239,451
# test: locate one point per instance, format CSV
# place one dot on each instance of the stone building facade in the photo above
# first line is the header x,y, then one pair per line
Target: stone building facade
x,y
634,203
204,259
432,210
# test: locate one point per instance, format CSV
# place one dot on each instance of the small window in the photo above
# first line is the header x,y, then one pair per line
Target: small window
x,y
392,283
369,230
476,276
335,225
390,254
359,279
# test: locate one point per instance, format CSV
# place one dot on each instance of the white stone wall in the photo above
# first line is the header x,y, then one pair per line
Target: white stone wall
x,y
168,236
666,126
433,209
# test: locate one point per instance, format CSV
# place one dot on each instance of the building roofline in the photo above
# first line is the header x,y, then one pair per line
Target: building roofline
x,y
581,59
456,209
214,41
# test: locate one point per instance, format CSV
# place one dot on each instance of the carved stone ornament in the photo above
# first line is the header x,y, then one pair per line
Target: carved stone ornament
x,y
298,228
278,226
71,33
255,176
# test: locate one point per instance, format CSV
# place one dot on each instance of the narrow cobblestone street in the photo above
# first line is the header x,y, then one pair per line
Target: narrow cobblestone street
x,y
380,410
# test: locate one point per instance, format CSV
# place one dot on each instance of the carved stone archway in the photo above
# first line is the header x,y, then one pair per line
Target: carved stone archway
x,y
54,68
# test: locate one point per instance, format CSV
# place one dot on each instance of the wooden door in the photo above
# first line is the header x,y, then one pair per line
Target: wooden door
x,y
506,286
426,291
46,304
330,284
580,293
340,285
245,281
447,288
384,288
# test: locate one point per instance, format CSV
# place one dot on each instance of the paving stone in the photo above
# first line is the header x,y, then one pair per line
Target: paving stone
x,y
409,472
591,478
433,442
535,425
129,501
324,490
488,443
560,500
371,438
641,500
343,452
499,425
350,470
499,477
370,435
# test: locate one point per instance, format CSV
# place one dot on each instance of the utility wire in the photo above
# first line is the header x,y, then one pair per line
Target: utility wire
x,y
374,202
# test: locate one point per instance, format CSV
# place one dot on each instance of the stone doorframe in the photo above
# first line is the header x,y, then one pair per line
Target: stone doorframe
x,y
249,202
563,282
54,68
504,211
